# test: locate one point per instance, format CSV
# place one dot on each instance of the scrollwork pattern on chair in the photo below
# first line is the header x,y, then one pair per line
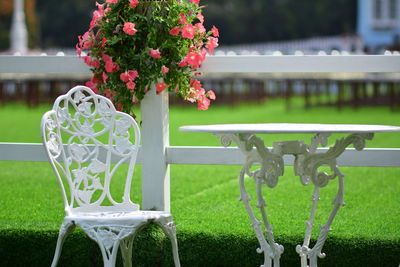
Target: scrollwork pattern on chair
x,y
90,125
87,141
108,237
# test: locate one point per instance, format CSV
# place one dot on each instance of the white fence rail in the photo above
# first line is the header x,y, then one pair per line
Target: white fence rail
x,y
202,155
156,146
220,64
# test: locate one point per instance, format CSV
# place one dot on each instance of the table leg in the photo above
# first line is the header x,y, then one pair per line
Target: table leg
x,y
276,248
256,224
306,167
309,224
271,169
307,163
312,254
272,250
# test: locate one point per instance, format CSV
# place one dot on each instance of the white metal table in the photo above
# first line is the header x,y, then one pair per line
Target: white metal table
x,y
306,165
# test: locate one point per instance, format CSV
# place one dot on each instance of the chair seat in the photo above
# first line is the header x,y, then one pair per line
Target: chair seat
x,y
119,217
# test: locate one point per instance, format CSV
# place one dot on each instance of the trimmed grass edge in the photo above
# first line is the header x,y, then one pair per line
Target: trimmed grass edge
x,y
152,248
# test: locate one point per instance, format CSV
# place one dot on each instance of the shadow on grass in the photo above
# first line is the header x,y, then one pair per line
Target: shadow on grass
x,y
152,248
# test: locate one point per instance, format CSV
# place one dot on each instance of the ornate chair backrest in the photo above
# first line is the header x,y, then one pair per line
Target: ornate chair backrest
x,y
87,140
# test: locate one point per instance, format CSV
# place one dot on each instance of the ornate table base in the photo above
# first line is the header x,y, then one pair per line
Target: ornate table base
x,y
307,163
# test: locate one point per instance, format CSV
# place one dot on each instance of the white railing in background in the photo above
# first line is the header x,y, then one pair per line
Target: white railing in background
x,y
156,154
220,64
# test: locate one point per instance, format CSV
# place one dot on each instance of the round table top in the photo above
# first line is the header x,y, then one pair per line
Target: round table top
x,y
289,128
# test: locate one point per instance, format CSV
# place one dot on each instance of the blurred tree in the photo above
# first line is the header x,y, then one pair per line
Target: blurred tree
x,y
239,21
62,21
5,23
6,10
247,21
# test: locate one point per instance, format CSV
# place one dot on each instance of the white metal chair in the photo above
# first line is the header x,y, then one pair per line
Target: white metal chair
x,y
87,140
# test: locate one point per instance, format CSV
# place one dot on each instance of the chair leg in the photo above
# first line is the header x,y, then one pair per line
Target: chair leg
x,y
108,239
66,228
126,250
109,254
170,230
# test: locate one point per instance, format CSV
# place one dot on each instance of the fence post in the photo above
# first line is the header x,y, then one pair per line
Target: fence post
x,y
155,140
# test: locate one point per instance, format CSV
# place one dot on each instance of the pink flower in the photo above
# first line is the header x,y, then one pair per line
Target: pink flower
x,y
164,69
182,64
112,1
97,15
200,28
203,103
103,41
193,59
175,30
109,94
196,84
183,19
129,28
85,41
203,54
188,31
106,58
190,98
111,66
160,87
135,99
124,77
91,62
129,75
195,1
119,106
155,53
200,17
105,77
212,43
92,86
131,85
133,74
133,3
211,95
199,93
215,31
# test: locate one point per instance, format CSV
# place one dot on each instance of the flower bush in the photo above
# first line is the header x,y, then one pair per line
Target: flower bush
x,y
133,44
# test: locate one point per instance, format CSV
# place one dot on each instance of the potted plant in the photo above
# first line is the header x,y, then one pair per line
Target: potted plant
x,y
135,45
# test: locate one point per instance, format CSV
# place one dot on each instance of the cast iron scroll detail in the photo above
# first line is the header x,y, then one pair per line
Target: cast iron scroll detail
x,y
307,164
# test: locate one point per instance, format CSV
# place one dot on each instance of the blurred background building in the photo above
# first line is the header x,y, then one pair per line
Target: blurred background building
x,y
378,24
247,27
253,26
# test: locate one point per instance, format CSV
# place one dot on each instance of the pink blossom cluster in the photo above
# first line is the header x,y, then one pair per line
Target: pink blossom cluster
x,y
129,28
98,14
198,94
109,66
107,70
197,54
128,78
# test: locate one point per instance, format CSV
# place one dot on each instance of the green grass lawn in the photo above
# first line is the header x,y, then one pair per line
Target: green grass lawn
x,y
213,227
